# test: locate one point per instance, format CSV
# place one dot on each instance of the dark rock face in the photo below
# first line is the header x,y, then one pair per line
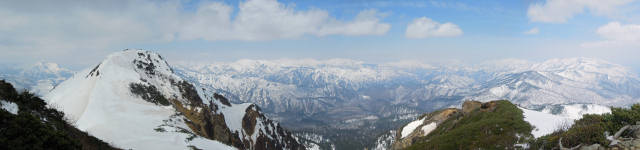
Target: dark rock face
x,y
250,119
94,72
264,142
208,124
188,92
149,93
146,65
204,117
222,99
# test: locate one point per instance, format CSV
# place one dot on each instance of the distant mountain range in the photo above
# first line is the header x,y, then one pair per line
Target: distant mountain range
x,y
371,99
38,78
340,93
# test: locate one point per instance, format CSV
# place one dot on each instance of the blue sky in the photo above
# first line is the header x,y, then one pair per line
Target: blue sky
x,y
79,34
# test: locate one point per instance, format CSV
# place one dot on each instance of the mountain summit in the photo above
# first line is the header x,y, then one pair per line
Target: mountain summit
x,y
133,99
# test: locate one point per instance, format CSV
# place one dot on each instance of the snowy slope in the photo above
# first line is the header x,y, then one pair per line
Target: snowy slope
x,y
544,123
11,107
133,99
547,121
406,130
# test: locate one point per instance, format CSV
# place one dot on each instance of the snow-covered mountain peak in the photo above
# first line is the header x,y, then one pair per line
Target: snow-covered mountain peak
x,y
142,61
133,99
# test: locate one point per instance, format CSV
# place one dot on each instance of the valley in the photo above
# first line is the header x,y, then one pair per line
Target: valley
x,y
351,105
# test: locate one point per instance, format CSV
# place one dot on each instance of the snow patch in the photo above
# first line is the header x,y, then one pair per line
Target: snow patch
x,y
575,111
428,128
10,107
233,116
406,130
544,123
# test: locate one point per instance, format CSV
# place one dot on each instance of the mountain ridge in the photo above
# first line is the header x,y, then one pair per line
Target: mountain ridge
x,y
134,99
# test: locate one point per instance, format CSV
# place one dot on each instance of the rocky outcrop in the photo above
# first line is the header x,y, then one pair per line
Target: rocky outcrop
x,y
469,106
618,142
435,117
490,125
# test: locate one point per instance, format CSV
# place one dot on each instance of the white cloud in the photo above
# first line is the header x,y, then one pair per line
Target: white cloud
x,y
558,11
268,19
615,34
424,27
44,29
532,31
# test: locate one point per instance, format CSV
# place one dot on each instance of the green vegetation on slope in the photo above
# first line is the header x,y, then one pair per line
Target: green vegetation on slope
x,y
38,127
591,129
496,125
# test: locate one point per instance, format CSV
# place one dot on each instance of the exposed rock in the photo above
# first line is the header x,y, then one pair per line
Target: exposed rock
x,y
618,142
592,147
208,124
469,106
94,72
489,106
437,117
250,119
222,99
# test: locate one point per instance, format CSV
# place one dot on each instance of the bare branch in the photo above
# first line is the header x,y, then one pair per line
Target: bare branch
x,y
617,135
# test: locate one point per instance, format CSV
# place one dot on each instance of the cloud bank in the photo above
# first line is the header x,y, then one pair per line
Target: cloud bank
x,y
424,27
46,28
268,19
616,34
558,11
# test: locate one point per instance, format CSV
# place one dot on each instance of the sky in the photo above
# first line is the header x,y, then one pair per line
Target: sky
x,y
79,34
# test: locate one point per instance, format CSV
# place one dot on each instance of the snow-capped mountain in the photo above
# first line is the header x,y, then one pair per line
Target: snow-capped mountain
x,y
563,81
133,99
333,92
311,86
39,78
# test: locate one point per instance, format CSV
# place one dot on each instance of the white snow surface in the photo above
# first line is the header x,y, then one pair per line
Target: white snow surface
x,y
103,105
233,116
406,130
575,111
426,129
10,107
546,123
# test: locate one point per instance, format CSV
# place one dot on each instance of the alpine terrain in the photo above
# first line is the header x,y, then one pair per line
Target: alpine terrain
x,y
340,100
134,100
347,104
503,125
